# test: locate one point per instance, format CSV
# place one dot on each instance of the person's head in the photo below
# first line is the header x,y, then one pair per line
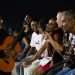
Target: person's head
x,y
41,27
1,22
68,21
59,15
34,25
28,19
52,25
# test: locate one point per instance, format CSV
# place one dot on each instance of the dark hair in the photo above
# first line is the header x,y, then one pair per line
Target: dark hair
x,y
52,26
42,25
69,13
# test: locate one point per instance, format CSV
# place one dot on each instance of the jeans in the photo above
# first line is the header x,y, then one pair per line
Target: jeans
x,y
55,69
71,72
63,71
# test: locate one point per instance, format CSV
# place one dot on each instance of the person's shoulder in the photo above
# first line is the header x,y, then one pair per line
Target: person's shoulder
x,y
34,34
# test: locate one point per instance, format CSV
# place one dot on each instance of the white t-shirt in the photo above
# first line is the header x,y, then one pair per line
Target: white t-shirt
x,y
32,43
38,41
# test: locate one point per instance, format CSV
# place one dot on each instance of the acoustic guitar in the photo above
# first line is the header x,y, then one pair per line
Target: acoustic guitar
x,y
7,61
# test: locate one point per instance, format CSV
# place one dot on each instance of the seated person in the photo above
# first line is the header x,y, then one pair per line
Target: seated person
x,y
54,42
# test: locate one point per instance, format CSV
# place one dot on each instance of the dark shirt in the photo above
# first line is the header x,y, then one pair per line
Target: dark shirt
x,y
56,56
22,44
23,34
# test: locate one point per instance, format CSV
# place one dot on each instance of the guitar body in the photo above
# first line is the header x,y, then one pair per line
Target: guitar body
x,y
6,64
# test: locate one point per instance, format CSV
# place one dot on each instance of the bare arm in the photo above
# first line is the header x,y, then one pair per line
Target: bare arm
x,y
37,55
30,51
42,49
25,41
58,47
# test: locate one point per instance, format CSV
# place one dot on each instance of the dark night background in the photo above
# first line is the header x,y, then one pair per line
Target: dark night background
x,y
15,10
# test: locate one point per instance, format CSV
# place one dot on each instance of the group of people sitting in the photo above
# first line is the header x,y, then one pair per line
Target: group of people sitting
x,y
40,49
